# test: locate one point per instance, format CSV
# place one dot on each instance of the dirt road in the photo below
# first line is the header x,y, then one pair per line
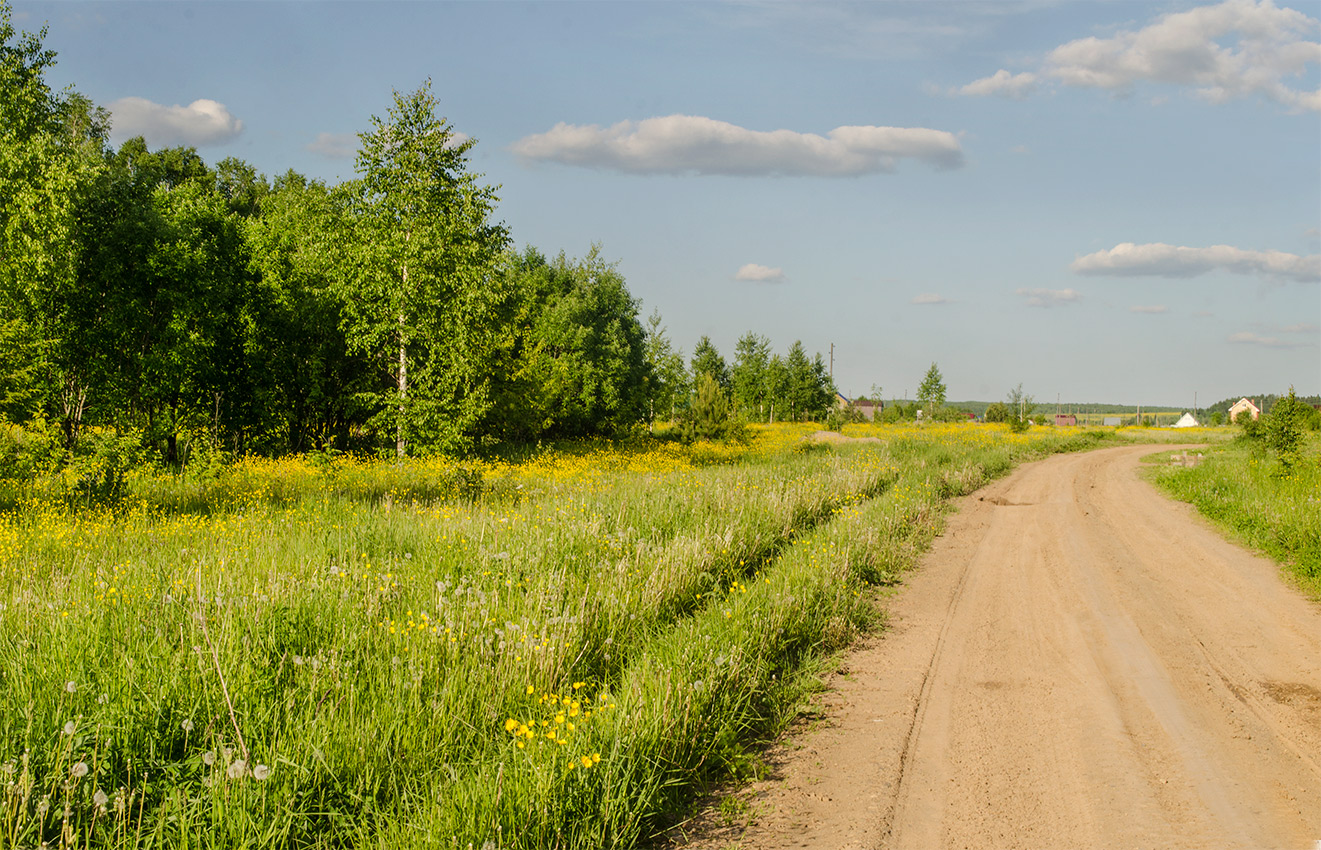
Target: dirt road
x,y
1079,663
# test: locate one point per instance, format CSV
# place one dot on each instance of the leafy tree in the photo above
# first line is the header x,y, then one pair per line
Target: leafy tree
x,y
50,149
1283,428
777,389
997,411
310,395
931,393
422,297
667,380
748,378
584,362
1020,407
707,361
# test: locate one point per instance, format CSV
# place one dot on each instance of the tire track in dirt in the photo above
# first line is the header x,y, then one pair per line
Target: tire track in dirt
x,y
1080,663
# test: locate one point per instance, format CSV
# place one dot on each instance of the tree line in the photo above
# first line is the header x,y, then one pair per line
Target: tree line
x,y
147,292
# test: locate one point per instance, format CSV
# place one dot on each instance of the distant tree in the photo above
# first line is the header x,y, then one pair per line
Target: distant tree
x,y
997,412
1020,407
931,393
667,379
748,378
707,361
1284,428
709,415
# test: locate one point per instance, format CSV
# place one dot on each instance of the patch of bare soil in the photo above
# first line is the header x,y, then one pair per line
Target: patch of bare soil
x,y
1079,663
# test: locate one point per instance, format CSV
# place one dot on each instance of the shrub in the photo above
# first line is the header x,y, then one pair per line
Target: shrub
x,y
996,411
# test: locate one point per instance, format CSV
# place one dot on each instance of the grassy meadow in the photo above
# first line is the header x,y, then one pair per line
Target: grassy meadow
x,y
1245,489
557,649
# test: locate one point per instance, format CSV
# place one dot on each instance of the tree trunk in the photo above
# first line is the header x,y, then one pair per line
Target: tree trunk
x,y
399,446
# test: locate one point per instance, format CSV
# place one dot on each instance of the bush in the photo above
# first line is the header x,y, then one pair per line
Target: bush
x,y
996,411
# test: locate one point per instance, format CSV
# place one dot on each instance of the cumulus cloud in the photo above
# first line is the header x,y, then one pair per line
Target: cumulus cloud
x,y
1150,309
1250,338
691,144
200,123
1161,260
930,298
759,273
1302,328
334,145
1234,49
1048,297
1002,83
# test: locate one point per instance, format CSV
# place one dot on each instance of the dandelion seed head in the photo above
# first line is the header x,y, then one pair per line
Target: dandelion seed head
x,y
261,772
208,758
100,798
79,770
237,768
187,725
69,727
70,687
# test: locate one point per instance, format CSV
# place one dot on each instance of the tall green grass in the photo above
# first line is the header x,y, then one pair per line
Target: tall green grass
x,y
548,655
1275,509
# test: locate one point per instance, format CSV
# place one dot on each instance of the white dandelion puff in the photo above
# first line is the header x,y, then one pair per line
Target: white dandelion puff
x,y
79,770
70,687
100,798
208,758
237,769
261,772
69,727
187,725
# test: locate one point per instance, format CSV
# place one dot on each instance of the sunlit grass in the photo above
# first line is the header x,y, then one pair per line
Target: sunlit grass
x,y
551,649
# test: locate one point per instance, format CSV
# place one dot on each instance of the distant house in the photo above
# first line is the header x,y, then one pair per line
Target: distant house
x,y
1111,421
1065,419
868,408
1241,406
841,400
1186,421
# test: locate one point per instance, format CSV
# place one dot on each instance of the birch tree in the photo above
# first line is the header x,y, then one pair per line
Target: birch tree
x,y
421,292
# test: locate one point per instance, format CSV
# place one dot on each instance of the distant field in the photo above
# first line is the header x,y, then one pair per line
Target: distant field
x,y
554,651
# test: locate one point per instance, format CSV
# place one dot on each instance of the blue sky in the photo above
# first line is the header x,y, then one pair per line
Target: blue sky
x,y
1104,201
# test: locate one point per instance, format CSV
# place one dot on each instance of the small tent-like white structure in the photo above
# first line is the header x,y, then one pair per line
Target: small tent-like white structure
x,y
1186,421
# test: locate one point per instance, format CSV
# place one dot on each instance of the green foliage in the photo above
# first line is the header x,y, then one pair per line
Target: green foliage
x,y
931,393
668,384
709,415
1019,406
708,361
1284,428
420,295
997,412
578,362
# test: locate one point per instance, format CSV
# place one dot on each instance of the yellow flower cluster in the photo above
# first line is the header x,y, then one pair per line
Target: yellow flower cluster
x,y
563,717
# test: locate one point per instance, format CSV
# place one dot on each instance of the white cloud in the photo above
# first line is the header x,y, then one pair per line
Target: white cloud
x,y
1150,309
334,145
691,144
1302,328
1234,49
930,298
1048,297
1250,338
1000,83
759,273
1163,260
200,123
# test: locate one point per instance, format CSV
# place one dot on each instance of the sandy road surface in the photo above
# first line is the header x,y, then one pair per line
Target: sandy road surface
x,y
1080,663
